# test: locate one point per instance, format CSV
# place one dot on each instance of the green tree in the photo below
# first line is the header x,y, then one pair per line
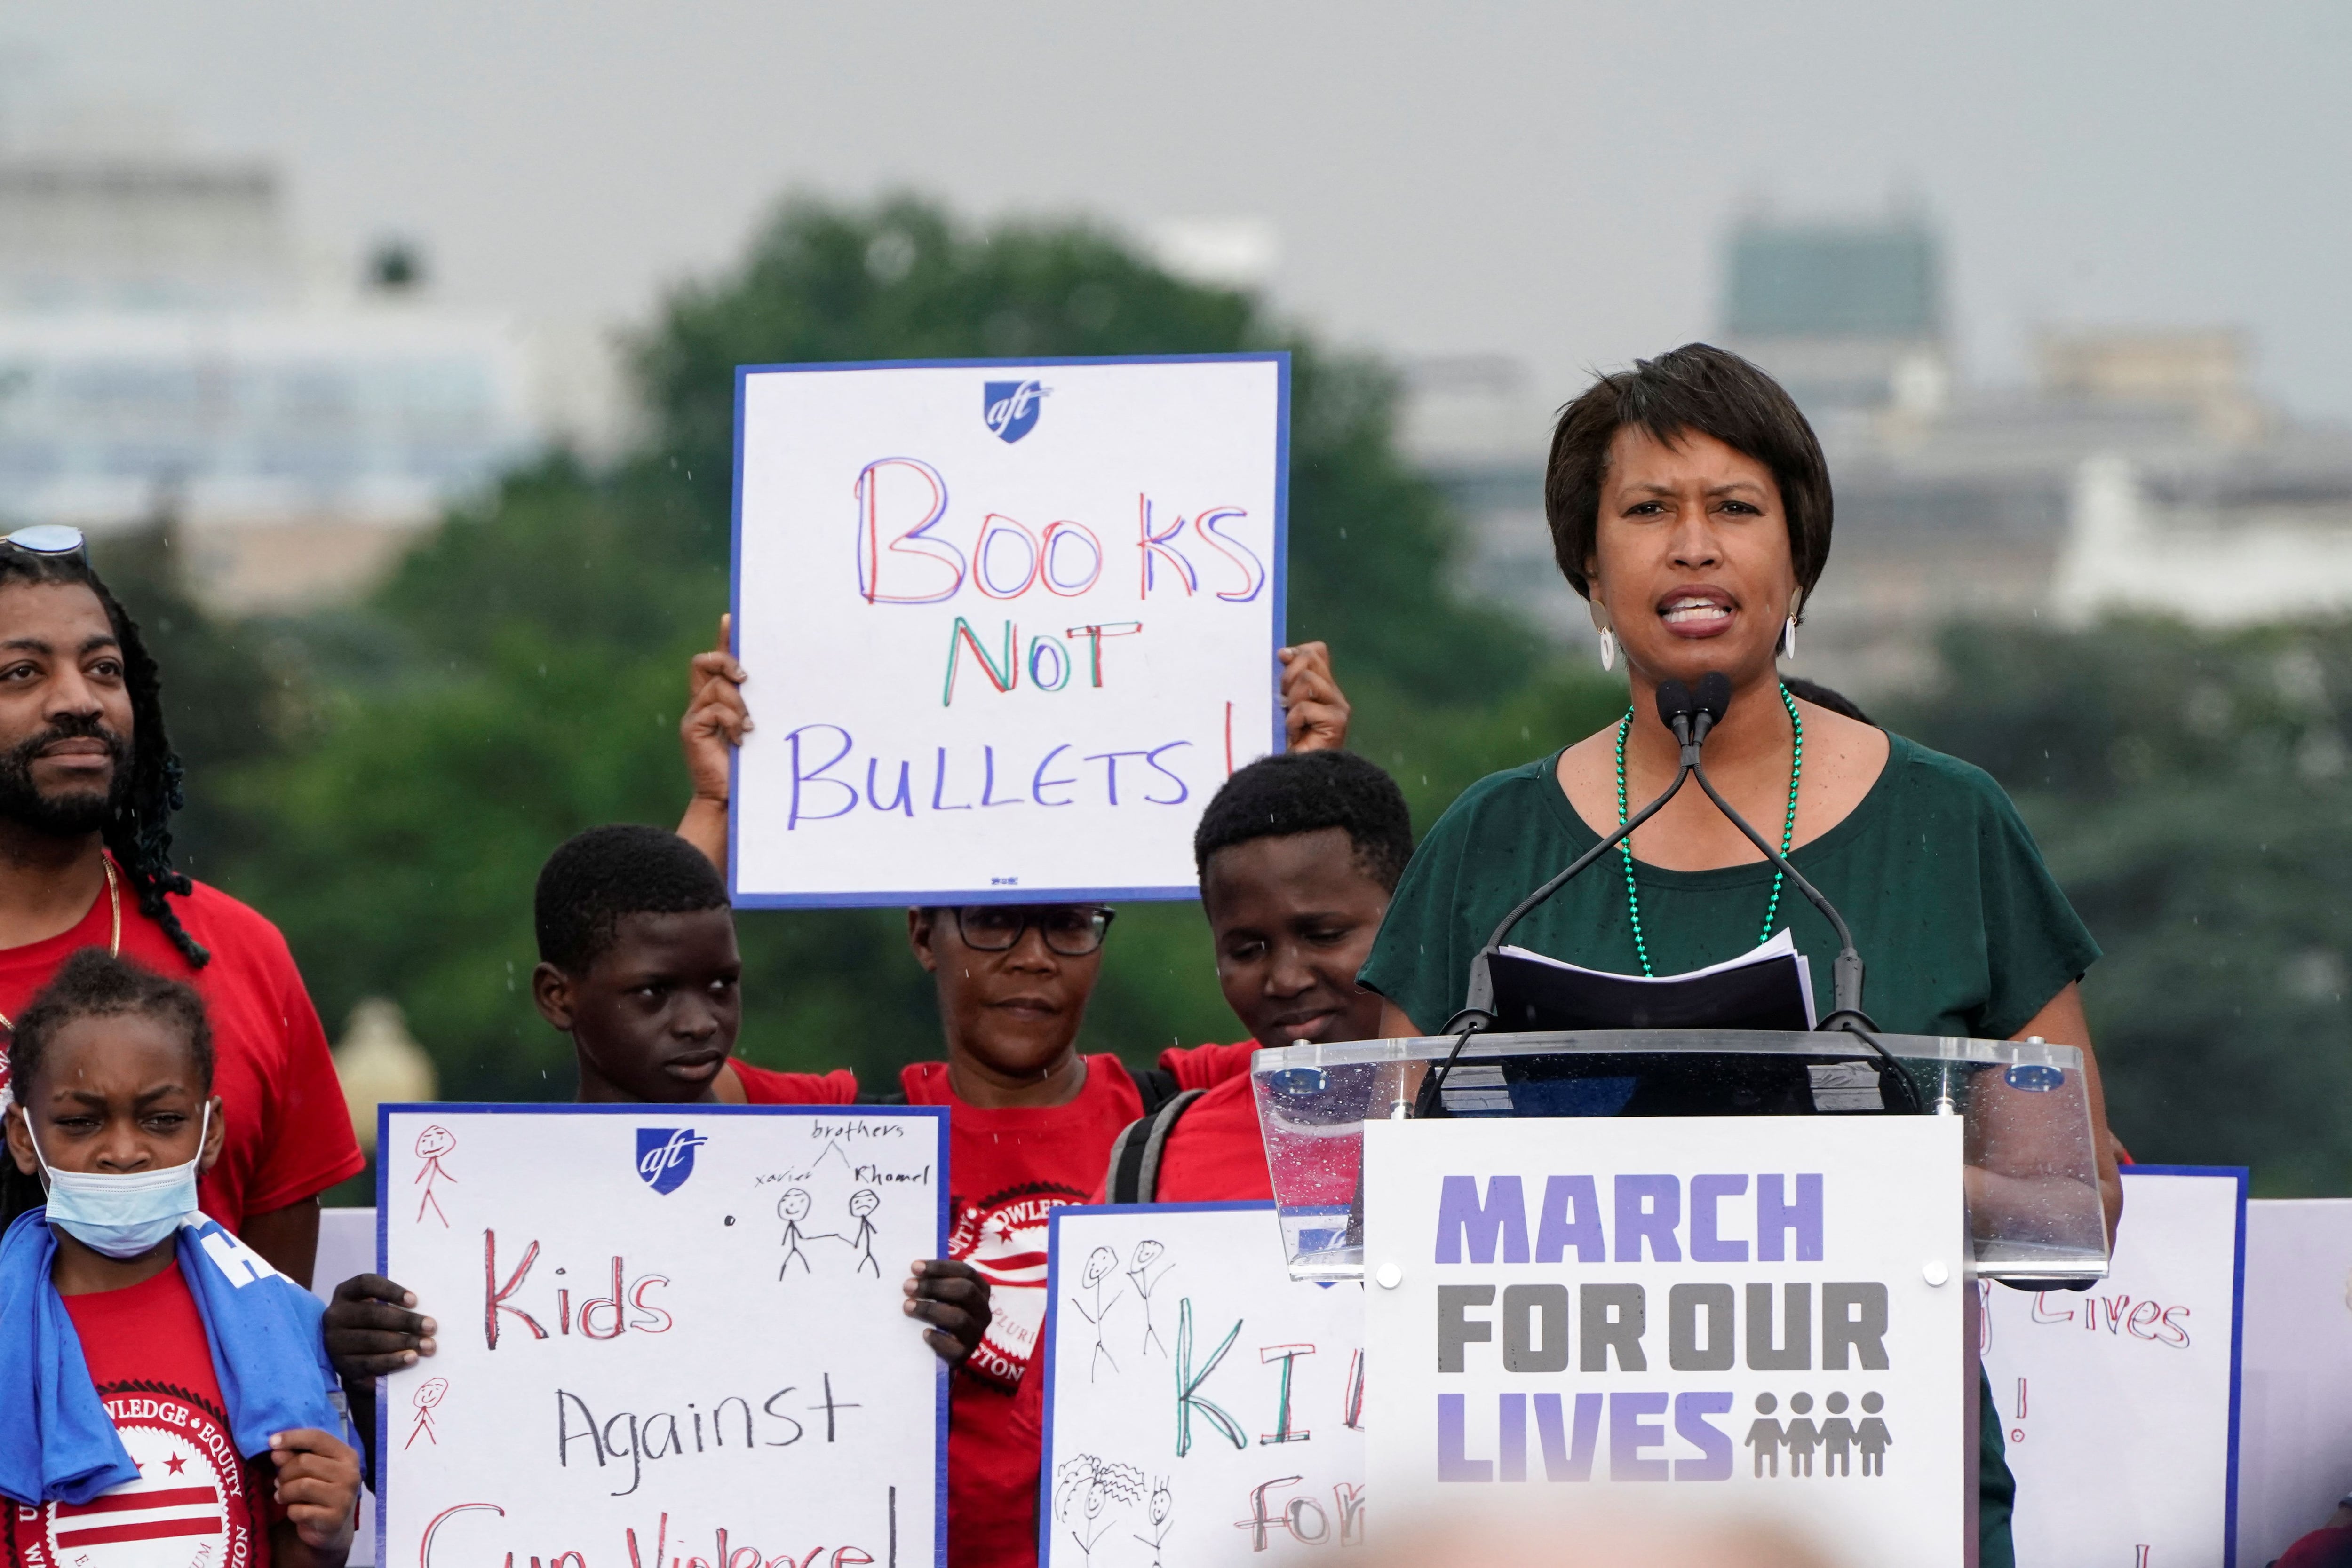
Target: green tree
x,y
2190,791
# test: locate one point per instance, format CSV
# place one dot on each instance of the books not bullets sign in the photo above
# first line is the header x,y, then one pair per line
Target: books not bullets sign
x,y
666,1334
1764,1312
1201,1406
1008,625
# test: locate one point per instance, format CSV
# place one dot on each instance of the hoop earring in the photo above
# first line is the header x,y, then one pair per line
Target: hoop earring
x,y
1789,638
1608,649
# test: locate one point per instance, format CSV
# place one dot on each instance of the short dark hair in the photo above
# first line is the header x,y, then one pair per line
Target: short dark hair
x,y
595,880
93,982
1695,387
139,830
1302,792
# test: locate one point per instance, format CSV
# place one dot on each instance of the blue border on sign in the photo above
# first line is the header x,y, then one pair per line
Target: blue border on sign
x,y
936,1113
1053,1300
1279,574
2239,1174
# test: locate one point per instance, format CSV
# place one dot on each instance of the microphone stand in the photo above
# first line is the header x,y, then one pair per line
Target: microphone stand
x,y
1690,716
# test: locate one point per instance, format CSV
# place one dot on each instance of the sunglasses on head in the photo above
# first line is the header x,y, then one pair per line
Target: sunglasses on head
x,y
46,538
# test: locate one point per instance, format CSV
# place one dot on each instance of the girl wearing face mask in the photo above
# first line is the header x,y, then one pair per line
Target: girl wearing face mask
x,y
117,1287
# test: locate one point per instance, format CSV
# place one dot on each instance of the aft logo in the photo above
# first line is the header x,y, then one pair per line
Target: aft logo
x,y
1011,407
665,1157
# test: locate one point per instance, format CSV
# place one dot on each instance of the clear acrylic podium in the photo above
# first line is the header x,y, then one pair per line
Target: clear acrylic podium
x,y
2034,1212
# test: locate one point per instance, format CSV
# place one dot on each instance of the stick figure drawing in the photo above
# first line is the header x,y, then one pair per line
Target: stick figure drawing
x,y
1100,1264
1084,1488
1139,1268
792,1208
431,1144
862,1205
1163,1504
429,1393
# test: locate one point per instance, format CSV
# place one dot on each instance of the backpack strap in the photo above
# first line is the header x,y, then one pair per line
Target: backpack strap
x,y
1156,1084
1135,1153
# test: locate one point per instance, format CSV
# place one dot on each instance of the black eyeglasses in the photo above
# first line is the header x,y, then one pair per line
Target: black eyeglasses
x,y
1073,930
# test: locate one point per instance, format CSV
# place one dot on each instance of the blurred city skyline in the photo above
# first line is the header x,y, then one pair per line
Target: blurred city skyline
x,y
1551,184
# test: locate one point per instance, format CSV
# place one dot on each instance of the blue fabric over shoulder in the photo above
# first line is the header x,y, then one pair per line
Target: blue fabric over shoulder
x,y
262,1328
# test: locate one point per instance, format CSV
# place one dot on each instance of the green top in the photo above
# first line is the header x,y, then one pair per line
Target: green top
x,y
1959,922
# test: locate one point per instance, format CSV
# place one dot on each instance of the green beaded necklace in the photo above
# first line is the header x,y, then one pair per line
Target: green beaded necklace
x,y
1788,827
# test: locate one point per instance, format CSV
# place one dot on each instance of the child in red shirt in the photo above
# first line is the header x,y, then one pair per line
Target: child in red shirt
x,y
638,965
113,1085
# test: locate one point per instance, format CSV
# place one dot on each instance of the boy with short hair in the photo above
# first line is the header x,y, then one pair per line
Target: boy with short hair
x,y
638,965
1298,856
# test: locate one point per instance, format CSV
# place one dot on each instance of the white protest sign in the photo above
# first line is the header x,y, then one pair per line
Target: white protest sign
x,y
1762,1311
1009,624
2117,1402
1200,1404
668,1332
2295,1416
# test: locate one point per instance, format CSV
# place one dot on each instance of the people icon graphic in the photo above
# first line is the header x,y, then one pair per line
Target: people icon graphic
x,y
1836,1437
792,1208
431,1144
1139,1268
429,1393
862,1205
1801,1435
1764,1435
1871,1436
1100,1263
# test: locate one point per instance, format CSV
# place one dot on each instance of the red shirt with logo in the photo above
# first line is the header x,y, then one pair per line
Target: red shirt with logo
x,y
288,1133
766,1086
1010,1169
196,1501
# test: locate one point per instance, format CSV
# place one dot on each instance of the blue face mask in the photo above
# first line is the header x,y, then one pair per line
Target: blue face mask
x,y
122,1214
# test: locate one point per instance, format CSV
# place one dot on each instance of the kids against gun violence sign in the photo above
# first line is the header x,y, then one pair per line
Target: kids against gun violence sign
x,y
670,1337
1735,1310
1009,625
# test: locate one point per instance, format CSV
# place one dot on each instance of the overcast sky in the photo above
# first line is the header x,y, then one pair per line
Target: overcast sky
x,y
1548,181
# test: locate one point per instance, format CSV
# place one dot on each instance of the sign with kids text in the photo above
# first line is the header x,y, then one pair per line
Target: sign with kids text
x,y
1201,1406
1008,625
1767,1312
666,1334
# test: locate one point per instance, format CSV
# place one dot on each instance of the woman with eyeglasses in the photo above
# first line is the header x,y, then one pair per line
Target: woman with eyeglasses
x,y
1030,1120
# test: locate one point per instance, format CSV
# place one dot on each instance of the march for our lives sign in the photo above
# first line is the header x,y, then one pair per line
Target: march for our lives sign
x,y
1009,624
667,1333
1758,1312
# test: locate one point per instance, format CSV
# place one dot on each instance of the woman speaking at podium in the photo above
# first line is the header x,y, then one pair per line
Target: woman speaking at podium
x,y
1690,505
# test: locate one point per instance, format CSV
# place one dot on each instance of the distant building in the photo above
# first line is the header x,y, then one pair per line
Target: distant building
x,y
159,353
2139,471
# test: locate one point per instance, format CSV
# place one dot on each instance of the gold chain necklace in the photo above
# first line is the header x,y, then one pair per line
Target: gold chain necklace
x,y
114,943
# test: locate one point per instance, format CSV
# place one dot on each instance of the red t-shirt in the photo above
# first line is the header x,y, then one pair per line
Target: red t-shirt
x,y
195,1500
1008,1170
288,1134
766,1086
2320,1549
1206,1066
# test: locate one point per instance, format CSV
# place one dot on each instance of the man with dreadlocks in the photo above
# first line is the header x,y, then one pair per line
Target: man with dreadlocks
x,y
88,786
